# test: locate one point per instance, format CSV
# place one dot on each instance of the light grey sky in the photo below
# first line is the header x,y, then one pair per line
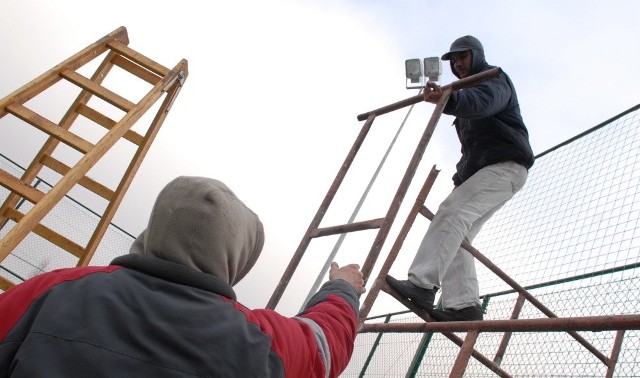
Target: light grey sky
x,y
274,89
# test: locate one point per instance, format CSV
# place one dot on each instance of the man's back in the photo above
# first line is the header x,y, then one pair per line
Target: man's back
x,y
117,321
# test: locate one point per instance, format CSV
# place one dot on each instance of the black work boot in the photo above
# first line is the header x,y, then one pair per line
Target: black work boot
x,y
421,297
474,312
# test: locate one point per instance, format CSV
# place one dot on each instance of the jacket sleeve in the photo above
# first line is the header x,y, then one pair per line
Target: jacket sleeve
x,y
319,341
483,100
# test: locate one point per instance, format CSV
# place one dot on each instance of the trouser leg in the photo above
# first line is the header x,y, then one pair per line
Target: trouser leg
x,y
460,287
461,216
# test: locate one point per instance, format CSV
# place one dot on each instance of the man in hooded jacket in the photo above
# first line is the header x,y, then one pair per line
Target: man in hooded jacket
x,y
167,309
496,156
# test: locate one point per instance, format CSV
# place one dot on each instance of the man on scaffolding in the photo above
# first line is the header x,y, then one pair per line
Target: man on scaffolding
x,y
496,156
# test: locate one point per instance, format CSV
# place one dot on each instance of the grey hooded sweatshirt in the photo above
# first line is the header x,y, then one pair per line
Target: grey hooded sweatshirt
x,y
198,222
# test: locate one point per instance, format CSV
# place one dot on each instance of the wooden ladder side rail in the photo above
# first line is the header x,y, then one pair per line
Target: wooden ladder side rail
x,y
37,213
173,89
43,82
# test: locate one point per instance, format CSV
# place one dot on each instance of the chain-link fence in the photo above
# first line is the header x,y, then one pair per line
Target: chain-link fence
x,y
572,238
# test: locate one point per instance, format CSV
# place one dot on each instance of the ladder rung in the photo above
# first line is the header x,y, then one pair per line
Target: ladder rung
x,y
85,181
135,56
350,227
108,123
98,90
136,69
50,128
48,234
19,187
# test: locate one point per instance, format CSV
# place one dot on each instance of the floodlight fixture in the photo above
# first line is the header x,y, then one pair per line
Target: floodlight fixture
x,y
416,71
432,68
413,70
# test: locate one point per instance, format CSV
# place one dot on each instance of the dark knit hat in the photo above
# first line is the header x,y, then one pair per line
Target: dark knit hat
x,y
465,43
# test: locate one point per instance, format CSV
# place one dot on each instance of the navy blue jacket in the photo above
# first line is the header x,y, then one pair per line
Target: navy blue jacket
x,y
488,121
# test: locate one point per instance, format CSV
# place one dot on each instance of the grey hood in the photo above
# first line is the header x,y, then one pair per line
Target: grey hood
x,y
468,42
199,222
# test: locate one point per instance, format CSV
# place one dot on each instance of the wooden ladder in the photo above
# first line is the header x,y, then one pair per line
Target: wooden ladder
x,y
114,46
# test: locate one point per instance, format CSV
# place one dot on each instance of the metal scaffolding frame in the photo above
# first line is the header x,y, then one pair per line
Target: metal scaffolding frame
x,y
553,323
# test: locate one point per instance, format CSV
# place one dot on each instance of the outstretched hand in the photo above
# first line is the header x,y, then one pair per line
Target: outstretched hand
x,y
350,273
432,92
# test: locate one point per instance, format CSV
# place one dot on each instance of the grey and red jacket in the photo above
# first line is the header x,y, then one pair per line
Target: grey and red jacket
x,y
147,317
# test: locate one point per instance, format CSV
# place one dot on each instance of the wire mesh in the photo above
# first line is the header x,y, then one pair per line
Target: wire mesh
x,y
571,237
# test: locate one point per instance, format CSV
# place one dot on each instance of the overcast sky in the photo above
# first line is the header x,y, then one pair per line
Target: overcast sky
x,y
274,89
